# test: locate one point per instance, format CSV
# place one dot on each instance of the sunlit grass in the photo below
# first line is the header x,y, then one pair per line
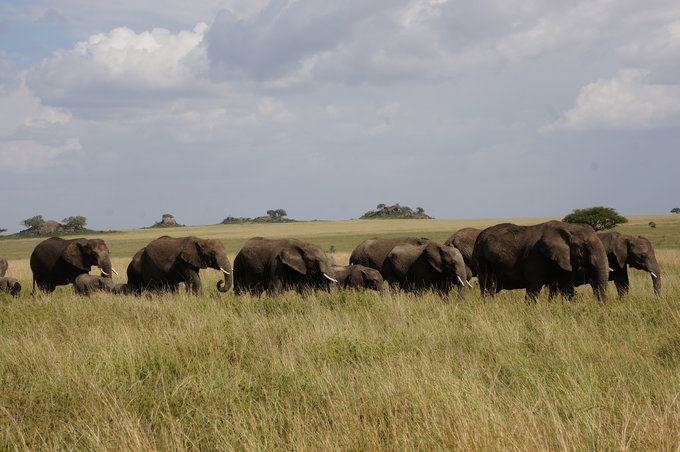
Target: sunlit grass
x,y
339,370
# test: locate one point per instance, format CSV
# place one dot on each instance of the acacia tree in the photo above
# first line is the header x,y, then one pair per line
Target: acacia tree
x,y
278,213
675,210
76,223
600,218
33,222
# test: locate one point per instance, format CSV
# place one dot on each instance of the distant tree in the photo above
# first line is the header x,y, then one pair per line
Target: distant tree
x,y
33,222
2,230
600,218
420,210
652,224
76,223
380,206
167,215
675,210
278,213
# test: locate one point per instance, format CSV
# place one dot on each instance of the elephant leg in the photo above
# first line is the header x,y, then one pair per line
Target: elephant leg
x,y
192,284
533,291
621,281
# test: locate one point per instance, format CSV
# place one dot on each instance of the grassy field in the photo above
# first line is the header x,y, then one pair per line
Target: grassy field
x,y
340,371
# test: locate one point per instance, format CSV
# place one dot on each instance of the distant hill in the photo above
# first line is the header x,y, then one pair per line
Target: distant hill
x,y
395,212
273,216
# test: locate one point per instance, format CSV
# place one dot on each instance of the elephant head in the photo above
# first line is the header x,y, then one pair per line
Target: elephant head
x,y
204,253
303,264
84,254
636,252
576,250
430,265
448,262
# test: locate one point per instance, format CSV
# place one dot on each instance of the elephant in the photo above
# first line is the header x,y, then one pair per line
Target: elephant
x,y
276,265
56,262
372,252
433,266
560,255
3,266
10,285
86,284
167,261
464,240
358,276
623,251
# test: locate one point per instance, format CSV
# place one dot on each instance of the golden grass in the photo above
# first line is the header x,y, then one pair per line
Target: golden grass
x,y
340,371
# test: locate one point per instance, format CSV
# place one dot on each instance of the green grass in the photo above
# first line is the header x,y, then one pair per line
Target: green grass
x,y
340,371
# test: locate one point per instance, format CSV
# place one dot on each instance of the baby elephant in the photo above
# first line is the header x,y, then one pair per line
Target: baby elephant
x,y
85,284
10,285
356,276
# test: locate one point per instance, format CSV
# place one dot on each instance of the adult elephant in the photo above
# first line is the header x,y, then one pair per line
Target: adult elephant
x,y
276,265
560,255
464,241
623,251
428,266
57,262
168,261
372,252
3,266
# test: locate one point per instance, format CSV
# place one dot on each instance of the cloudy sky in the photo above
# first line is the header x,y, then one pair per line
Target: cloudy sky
x,y
122,111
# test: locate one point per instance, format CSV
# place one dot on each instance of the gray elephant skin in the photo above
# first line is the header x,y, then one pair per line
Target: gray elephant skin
x,y
623,251
57,262
560,255
430,266
3,266
372,252
284,264
464,241
358,277
86,284
10,285
168,261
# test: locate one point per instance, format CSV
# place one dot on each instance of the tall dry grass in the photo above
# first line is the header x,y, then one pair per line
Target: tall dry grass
x,y
341,371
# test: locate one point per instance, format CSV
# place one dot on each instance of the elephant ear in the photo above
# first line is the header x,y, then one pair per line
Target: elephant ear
x,y
292,257
557,250
192,254
74,255
434,258
620,250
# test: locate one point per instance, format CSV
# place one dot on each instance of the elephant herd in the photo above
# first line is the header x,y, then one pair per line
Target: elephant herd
x,y
558,255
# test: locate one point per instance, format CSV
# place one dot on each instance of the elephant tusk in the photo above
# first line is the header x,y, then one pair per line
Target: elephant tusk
x,y
224,271
114,271
329,278
104,273
653,275
460,281
468,283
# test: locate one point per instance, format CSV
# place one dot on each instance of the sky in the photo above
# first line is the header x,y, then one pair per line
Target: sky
x,y
123,111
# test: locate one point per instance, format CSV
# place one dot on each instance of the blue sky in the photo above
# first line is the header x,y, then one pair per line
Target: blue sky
x,y
218,108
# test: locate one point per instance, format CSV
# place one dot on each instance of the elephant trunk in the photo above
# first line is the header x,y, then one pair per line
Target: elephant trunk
x,y
225,284
601,281
656,279
105,266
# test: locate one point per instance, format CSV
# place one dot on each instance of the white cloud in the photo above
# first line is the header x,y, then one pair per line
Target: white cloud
x,y
19,107
627,101
122,63
22,156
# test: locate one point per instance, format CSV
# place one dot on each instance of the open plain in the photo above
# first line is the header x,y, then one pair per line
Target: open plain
x,y
341,370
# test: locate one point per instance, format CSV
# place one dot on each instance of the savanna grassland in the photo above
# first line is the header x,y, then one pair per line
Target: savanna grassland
x,y
340,371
